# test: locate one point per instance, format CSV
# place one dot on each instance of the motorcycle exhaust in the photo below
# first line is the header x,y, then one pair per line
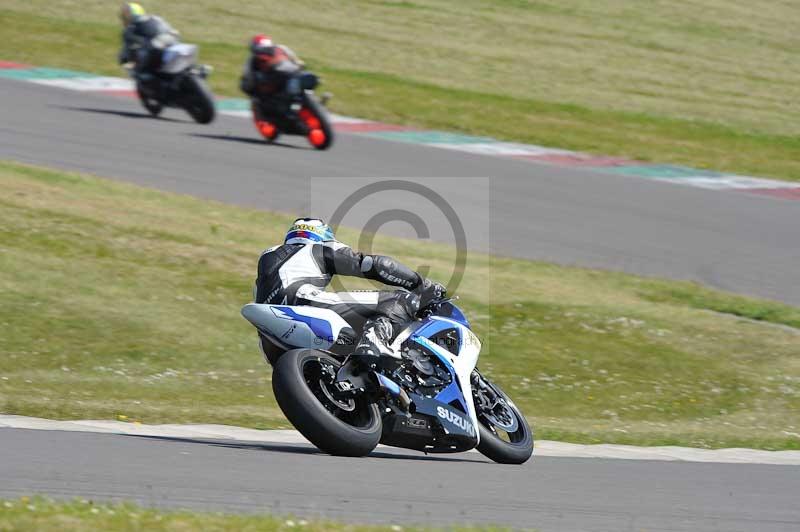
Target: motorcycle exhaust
x,y
405,402
397,392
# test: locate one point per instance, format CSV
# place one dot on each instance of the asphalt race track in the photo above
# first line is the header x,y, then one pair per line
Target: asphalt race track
x,y
399,487
729,240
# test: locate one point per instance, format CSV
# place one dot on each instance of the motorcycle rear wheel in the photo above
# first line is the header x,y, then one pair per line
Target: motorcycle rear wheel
x,y
301,383
258,116
505,435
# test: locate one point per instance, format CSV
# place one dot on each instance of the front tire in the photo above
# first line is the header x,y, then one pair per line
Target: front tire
x,y
343,428
153,106
198,100
505,435
325,126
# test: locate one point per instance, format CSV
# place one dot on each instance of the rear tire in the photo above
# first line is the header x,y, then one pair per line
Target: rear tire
x,y
353,429
518,448
199,101
258,116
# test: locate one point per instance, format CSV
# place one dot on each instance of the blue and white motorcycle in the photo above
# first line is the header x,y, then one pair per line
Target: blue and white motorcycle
x,y
431,399
178,82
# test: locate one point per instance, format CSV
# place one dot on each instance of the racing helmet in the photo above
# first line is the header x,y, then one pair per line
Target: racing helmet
x,y
309,231
129,11
261,44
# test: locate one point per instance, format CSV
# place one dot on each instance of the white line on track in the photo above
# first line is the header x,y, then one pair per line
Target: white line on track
x,y
89,84
543,447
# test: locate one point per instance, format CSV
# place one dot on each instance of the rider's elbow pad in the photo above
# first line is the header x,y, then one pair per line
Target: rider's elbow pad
x,y
388,271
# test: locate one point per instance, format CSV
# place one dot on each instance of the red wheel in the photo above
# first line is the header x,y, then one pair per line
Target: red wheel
x,y
320,132
317,138
267,129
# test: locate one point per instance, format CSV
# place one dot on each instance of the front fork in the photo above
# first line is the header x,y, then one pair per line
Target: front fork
x,y
483,392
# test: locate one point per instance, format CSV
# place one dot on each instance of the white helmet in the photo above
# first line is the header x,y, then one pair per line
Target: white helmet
x,y
308,231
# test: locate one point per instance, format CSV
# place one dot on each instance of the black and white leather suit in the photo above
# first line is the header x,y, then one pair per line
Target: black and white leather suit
x,y
297,274
144,41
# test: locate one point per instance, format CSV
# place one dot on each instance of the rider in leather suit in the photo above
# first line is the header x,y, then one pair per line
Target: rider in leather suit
x,y
144,37
269,68
270,71
297,272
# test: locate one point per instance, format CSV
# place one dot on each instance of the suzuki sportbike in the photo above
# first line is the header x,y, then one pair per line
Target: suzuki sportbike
x,y
432,399
178,82
296,112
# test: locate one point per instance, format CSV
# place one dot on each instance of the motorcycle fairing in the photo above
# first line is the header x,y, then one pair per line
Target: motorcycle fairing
x,y
178,57
432,327
460,365
296,325
461,431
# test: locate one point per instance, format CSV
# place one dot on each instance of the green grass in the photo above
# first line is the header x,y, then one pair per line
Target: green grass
x,y
124,301
708,84
45,515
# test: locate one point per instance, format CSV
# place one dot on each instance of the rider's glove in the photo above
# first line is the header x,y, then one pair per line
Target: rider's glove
x,y
429,291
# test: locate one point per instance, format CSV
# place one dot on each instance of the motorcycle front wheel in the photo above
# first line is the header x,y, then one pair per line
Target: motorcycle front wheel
x,y
325,139
302,382
198,100
505,435
153,106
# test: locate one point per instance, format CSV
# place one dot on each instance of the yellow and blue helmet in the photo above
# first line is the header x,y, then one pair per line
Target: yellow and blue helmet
x,y
129,11
309,231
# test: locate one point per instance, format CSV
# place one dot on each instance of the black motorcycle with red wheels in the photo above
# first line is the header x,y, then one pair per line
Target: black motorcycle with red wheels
x,y
301,114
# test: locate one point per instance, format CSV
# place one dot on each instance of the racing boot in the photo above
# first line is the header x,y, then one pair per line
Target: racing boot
x,y
375,342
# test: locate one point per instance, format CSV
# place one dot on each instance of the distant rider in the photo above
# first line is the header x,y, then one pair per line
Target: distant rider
x,y
144,38
270,71
297,272
270,68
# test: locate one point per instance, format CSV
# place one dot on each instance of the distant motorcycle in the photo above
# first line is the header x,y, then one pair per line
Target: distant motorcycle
x,y
433,399
297,113
178,82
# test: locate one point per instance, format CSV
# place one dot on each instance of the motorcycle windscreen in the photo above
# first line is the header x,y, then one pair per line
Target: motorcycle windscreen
x,y
308,81
449,310
178,58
